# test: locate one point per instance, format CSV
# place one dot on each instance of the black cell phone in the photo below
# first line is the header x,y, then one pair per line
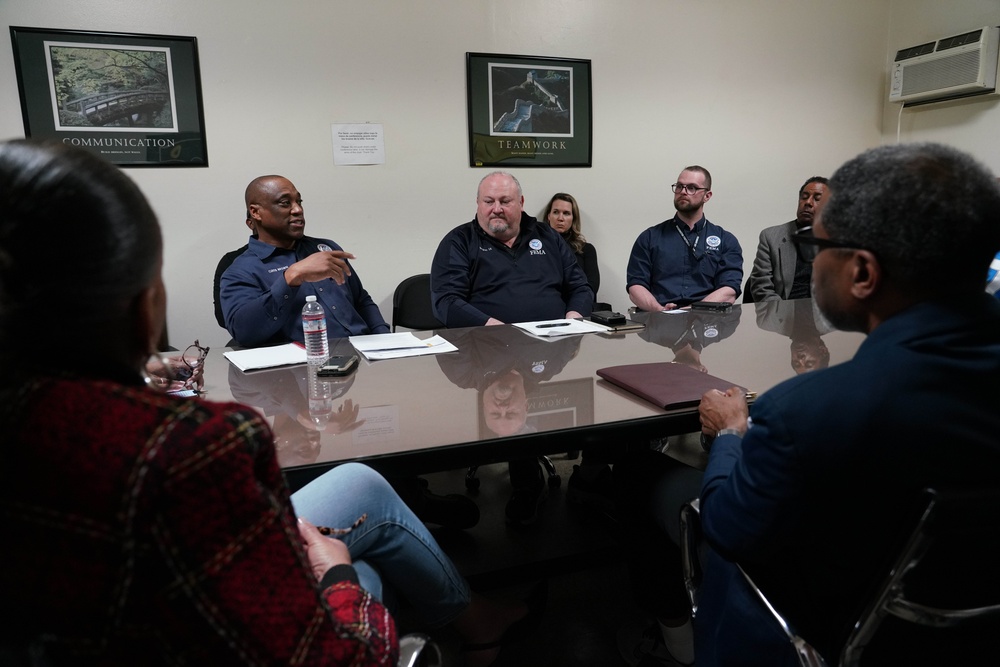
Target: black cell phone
x,y
338,366
607,317
713,306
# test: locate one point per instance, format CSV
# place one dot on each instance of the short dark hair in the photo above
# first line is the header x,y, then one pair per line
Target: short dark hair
x,y
703,171
77,236
930,212
814,179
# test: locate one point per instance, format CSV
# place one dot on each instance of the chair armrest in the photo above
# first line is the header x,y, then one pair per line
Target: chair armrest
x,y
691,539
418,649
690,534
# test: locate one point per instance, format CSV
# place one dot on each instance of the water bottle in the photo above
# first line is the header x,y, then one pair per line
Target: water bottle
x,y
320,400
314,331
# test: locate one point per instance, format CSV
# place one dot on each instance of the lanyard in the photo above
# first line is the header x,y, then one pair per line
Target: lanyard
x,y
687,242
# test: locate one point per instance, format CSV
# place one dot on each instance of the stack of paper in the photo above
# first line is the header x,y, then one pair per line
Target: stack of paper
x,y
398,345
289,354
550,328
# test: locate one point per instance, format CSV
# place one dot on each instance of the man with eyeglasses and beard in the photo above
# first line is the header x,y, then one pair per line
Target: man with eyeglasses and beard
x,y
686,258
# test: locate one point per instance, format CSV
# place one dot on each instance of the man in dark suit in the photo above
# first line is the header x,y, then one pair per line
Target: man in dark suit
x,y
812,499
779,272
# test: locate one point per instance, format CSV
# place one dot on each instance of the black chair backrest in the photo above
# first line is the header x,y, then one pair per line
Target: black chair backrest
x,y
224,264
943,592
747,291
411,304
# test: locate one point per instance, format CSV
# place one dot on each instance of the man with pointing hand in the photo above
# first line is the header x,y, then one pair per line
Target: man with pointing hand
x,y
263,291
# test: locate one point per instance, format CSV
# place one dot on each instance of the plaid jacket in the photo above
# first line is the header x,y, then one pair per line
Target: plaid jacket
x,y
146,529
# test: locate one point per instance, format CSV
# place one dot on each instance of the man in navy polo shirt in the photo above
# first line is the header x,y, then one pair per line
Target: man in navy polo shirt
x,y
263,291
502,267
687,258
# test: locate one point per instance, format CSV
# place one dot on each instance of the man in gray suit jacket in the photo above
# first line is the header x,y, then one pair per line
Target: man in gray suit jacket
x,y
778,272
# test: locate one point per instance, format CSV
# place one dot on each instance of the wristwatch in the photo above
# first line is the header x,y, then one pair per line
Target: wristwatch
x,y
729,431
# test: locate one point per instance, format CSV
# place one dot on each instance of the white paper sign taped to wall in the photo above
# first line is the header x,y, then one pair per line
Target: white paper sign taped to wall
x,y
358,143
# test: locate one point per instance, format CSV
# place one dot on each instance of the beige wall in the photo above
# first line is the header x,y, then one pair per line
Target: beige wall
x,y
762,93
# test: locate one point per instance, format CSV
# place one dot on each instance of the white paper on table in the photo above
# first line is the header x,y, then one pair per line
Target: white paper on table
x,y
399,345
551,328
289,354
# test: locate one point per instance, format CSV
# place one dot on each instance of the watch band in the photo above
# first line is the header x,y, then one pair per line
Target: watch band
x,y
729,431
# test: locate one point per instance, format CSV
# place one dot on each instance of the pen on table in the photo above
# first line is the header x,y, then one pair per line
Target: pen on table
x,y
548,326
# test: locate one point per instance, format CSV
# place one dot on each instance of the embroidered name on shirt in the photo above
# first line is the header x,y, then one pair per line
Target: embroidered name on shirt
x,y
280,268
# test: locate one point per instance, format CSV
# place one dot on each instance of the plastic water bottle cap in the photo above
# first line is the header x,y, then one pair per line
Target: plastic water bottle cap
x,y
311,297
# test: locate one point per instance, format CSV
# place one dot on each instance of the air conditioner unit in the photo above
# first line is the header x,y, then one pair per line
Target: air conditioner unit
x,y
952,67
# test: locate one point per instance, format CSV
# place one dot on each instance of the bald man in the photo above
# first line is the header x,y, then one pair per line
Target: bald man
x,y
263,291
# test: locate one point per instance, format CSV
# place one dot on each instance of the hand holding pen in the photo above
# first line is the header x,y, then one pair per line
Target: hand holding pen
x,y
323,553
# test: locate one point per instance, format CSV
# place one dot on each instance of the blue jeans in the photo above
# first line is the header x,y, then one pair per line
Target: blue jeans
x,y
392,545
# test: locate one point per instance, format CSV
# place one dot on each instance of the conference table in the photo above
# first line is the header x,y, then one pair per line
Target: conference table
x,y
507,394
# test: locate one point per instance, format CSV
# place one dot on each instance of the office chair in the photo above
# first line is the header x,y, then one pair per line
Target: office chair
x,y
953,546
690,538
411,304
224,264
418,649
472,482
748,291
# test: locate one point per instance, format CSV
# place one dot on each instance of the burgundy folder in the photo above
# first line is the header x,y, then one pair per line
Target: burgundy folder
x,y
670,385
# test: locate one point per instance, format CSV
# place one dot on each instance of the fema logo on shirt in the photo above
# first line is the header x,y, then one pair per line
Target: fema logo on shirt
x,y
322,247
536,247
710,332
713,242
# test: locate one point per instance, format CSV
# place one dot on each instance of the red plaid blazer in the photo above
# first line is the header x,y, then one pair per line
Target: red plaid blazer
x,y
146,529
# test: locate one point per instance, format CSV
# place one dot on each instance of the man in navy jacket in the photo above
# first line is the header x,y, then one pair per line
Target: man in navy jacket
x,y
503,267
812,499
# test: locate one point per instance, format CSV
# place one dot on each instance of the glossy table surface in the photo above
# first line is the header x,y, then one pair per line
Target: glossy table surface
x,y
506,393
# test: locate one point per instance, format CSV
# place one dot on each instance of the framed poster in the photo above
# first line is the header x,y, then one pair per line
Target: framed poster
x,y
528,111
133,99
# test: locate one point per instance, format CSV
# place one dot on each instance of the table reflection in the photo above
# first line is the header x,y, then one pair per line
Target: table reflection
x,y
511,372
433,412
802,321
688,334
301,405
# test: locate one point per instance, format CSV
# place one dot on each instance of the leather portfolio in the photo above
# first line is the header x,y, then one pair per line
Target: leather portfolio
x,y
670,385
